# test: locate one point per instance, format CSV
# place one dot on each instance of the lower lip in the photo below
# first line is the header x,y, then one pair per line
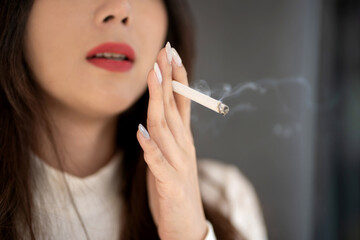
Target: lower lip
x,y
112,65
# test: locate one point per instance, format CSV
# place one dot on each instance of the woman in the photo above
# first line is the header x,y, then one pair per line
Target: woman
x,y
78,80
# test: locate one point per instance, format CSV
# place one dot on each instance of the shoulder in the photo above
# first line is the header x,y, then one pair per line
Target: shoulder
x,y
224,186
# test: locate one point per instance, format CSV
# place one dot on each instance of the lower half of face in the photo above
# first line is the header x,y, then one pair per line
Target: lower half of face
x,y
92,93
57,41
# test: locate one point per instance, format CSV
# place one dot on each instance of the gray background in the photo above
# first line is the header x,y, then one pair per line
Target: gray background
x,y
274,44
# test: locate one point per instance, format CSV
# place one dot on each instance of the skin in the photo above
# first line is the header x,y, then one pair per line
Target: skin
x,y
84,101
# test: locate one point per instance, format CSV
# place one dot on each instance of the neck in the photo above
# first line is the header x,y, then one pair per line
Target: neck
x,y
84,145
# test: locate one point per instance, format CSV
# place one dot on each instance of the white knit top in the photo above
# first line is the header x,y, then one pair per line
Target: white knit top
x,y
99,205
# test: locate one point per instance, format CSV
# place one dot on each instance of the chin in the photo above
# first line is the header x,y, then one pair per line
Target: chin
x,y
111,110
106,105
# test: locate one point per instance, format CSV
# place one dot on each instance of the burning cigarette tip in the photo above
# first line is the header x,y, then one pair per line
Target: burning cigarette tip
x,y
223,109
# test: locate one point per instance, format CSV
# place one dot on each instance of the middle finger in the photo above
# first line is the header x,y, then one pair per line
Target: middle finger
x,y
172,114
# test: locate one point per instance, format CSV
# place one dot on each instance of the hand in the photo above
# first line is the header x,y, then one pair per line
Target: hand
x,y
172,179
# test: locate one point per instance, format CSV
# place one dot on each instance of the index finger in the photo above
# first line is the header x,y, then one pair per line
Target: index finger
x,y
179,74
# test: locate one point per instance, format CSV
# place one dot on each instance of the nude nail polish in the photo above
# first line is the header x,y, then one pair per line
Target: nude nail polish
x,y
158,72
177,58
169,53
144,132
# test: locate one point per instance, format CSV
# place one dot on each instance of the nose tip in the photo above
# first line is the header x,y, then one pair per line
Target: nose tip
x,y
124,20
114,12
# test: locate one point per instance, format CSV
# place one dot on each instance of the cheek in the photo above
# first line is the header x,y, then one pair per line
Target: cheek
x,y
49,40
151,24
50,50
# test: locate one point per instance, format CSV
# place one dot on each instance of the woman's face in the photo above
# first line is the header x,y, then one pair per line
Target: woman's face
x,y
60,34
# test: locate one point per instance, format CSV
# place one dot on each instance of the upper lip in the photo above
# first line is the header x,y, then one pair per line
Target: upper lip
x,y
113,47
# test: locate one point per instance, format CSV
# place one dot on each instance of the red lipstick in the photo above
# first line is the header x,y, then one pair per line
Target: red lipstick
x,y
112,56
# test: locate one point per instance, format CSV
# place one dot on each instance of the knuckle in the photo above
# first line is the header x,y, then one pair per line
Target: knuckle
x,y
154,158
150,153
158,123
147,156
150,123
171,102
161,55
185,73
182,76
160,160
163,123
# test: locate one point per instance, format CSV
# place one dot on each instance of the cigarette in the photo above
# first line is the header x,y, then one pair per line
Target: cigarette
x,y
200,98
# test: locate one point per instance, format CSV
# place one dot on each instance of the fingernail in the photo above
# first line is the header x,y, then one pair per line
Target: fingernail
x,y
157,72
177,58
144,132
168,52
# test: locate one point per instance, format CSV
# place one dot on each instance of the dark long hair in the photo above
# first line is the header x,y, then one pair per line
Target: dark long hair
x,y
21,110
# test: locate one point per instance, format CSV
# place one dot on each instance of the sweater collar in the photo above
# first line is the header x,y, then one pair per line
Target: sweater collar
x,y
101,182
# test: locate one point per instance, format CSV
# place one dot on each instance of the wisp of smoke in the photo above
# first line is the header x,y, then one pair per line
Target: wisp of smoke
x,y
227,93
